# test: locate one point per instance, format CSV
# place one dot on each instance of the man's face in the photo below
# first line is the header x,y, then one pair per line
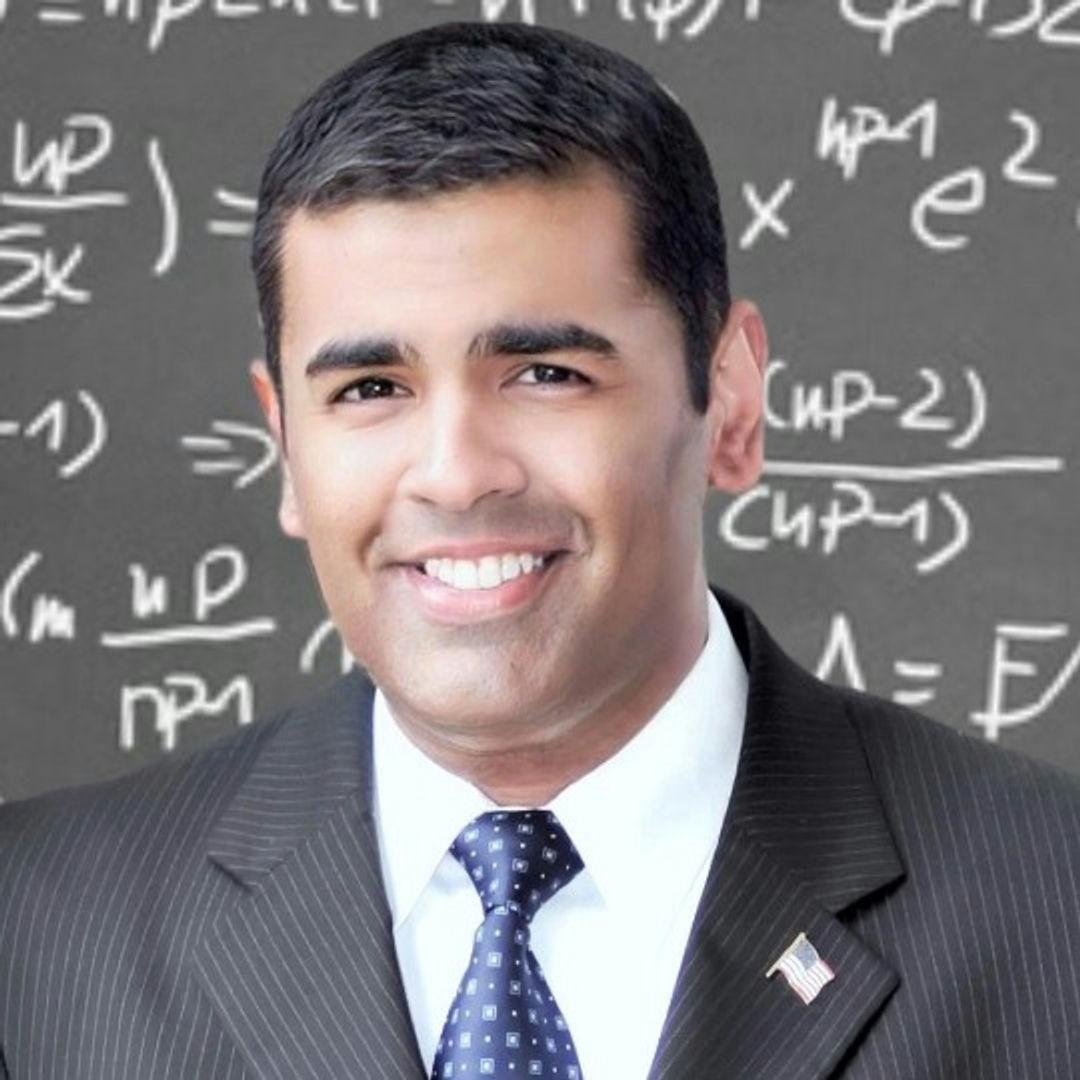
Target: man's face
x,y
500,385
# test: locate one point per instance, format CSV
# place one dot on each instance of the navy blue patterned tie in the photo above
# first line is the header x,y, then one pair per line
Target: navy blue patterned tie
x,y
504,1021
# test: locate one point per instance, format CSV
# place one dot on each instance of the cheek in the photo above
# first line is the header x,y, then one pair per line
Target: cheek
x,y
622,492
596,467
655,490
338,494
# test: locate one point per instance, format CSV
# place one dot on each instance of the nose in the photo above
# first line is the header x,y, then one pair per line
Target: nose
x,y
463,451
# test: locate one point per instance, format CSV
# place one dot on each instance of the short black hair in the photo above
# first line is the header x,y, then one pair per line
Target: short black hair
x,y
461,104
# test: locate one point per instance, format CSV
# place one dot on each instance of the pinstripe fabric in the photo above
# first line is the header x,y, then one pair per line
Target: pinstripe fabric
x,y
103,891
223,916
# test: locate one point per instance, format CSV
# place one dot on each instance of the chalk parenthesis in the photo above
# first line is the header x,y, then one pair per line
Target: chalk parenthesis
x,y
978,412
11,589
98,434
309,652
960,541
170,217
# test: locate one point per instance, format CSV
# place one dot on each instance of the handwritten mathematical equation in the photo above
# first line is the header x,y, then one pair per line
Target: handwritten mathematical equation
x,y
243,451
688,17
846,134
939,214
1051,23
32,614
817,504
1055,23
1030,665
74,444
849,394
51,177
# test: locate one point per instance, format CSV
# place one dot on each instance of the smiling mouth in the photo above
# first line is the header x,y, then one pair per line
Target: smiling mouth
x,y
487,572
490,587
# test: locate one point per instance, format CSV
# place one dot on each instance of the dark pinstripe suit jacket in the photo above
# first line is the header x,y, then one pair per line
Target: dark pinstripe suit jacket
x,y
223,916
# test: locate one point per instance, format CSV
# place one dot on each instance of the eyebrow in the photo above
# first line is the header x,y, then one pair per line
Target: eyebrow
x,y
503,339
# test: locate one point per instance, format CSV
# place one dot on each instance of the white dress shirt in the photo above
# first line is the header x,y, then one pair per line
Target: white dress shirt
x,y
645,822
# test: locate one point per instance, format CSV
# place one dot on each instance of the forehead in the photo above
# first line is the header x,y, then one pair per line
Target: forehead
x,y
515,247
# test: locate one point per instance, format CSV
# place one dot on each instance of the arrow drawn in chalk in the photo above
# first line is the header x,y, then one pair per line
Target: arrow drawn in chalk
x,y
228,451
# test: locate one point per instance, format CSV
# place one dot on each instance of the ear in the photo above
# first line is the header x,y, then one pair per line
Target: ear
x,y
736,395
266,392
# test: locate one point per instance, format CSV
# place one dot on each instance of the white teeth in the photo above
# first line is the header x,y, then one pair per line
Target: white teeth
x,y
466,574
488,572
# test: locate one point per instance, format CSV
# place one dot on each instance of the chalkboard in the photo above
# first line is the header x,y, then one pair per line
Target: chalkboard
x,y
901,184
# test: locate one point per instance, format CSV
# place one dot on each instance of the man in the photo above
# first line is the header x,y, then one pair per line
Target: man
x,y
577,815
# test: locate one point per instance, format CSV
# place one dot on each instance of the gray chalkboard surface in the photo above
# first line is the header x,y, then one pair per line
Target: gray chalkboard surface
x,y
901,183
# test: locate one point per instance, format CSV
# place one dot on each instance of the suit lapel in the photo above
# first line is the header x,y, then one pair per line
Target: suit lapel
x,y
302,967
804,838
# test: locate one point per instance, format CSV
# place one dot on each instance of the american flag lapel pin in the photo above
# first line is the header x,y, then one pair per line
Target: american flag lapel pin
x,y
806,973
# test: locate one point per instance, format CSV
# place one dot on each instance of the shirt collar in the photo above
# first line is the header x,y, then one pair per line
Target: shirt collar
x,y
658,802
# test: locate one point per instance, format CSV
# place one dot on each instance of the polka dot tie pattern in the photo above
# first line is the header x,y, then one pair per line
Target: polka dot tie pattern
x,y
504,1021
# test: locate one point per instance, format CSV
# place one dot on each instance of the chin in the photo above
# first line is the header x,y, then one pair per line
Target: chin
x,y
465,699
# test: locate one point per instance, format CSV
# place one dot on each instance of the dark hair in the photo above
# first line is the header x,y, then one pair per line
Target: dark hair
x,y
460,104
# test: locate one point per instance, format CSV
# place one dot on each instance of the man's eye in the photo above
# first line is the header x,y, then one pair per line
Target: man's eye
x,y
367,389
551,374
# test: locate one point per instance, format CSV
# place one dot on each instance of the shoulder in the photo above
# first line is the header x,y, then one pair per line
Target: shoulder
x,y
117,830
920,766
943,788
80,849
901,736
176,795
190,787
125,864
954,803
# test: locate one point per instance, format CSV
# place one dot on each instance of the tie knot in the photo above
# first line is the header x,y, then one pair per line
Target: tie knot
x,y
517,859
